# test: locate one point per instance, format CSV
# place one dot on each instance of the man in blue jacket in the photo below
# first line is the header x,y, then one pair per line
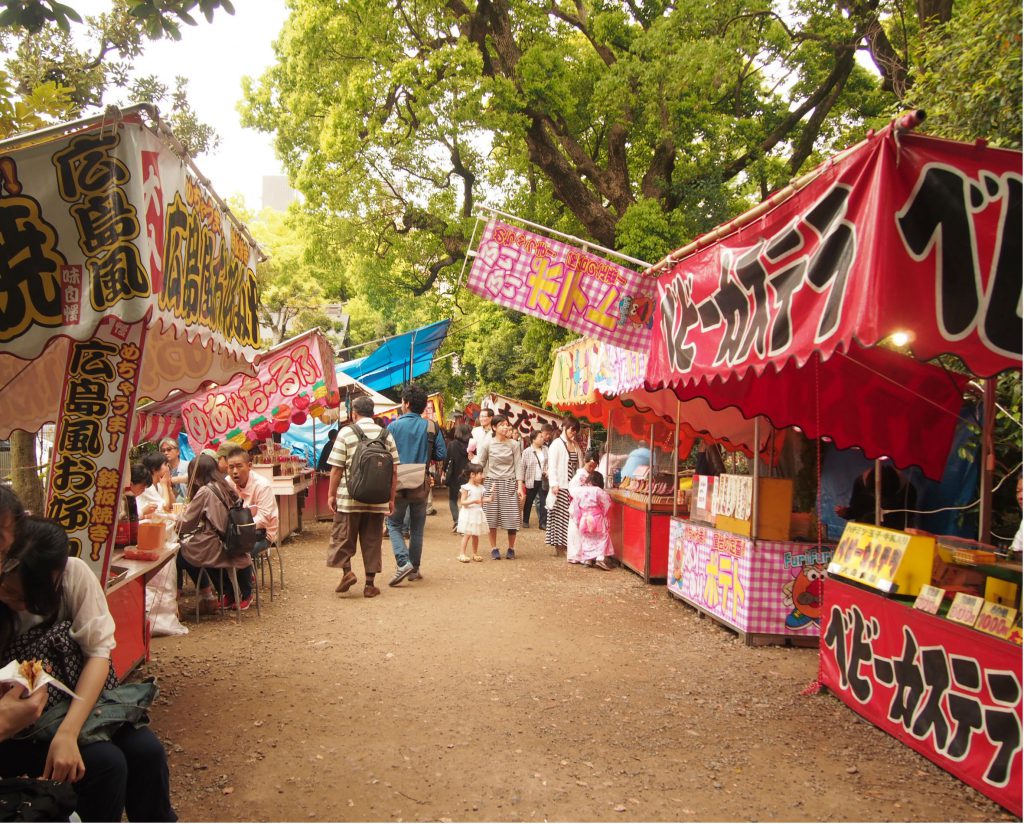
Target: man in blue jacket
x,y
419,441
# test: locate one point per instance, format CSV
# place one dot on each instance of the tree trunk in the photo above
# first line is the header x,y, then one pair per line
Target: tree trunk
x,y
25,480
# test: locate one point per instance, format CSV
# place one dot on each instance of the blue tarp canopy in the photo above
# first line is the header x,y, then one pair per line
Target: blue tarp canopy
x,y
389,365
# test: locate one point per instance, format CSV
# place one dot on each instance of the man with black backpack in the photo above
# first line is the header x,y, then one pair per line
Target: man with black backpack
x,y
360,493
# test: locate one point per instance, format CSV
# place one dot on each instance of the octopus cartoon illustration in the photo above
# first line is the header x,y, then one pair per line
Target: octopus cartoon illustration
x,y
803,595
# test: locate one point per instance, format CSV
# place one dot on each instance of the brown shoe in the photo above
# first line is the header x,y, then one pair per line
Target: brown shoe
x,y
347,580
370,591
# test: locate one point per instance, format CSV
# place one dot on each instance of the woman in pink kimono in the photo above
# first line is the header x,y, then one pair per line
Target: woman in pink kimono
x,y
589,514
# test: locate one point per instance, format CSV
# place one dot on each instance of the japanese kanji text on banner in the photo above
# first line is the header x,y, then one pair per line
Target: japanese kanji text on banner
x,y
563,285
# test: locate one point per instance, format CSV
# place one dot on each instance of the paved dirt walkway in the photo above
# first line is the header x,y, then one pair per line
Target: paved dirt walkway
x,y
522,690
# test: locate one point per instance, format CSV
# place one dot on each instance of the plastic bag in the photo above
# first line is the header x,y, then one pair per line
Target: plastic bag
x,y
162,603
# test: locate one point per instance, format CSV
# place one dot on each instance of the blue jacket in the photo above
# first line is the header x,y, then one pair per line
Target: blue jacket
x,y
410,434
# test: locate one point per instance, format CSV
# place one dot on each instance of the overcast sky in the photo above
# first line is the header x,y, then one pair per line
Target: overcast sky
x,y
214,57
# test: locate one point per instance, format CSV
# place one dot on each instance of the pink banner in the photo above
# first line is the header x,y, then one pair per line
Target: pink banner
x,y
564,285
771,587
293,381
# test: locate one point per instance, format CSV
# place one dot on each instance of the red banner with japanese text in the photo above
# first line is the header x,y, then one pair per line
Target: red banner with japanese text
x,y
905,233
948,691
91,439
563,285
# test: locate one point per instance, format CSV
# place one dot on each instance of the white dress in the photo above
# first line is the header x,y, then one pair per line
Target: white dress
x,y
471,512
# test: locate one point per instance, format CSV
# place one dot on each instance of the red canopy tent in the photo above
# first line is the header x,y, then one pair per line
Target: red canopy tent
x,y
901,233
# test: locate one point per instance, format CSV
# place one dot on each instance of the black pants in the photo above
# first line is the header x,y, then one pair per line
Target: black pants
x,y
536,492
126,774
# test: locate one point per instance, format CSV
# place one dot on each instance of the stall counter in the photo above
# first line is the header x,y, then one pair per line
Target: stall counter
x,y
948,691
289,491
126,598
639,534
767,591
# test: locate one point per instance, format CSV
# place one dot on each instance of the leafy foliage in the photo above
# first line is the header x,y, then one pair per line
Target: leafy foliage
x,y
157,17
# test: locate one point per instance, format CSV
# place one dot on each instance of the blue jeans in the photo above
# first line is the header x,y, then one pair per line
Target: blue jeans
x,y
418,517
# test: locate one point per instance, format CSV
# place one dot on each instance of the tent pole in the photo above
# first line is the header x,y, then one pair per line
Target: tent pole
x,y
755,496
675,468
878,492
988,462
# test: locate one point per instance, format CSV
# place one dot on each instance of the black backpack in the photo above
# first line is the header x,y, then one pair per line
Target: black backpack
x,y
240,537
371,469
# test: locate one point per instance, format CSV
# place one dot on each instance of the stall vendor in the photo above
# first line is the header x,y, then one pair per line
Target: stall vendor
x,y
635,463
898,496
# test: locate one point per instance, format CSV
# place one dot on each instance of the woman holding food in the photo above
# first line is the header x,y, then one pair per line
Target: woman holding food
x,y
53,608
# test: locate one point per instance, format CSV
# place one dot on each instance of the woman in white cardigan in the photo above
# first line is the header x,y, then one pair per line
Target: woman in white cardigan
x,y
565,456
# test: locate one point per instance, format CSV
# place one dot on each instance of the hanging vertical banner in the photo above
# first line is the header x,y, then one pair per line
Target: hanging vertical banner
x,y
91,441
564,285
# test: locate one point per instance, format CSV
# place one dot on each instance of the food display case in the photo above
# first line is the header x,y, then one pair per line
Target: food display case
x,y
641,483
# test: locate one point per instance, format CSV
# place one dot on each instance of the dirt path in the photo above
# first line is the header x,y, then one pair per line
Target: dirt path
x,y
522,690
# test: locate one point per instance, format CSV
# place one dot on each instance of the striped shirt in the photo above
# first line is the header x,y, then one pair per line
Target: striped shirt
x,y
342,453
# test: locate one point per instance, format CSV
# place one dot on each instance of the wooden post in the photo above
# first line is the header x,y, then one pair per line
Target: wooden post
x,y
755,515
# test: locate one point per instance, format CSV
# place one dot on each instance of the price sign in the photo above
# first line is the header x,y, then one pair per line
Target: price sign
x,y
929,599
996,619
965,609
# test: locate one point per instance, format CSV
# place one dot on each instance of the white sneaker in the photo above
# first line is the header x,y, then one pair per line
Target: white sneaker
x,y
400,575
463,559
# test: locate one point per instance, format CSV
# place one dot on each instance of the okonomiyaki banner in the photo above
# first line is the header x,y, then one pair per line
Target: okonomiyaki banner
x,y
563,285
91,438
915,235
948,691
108,222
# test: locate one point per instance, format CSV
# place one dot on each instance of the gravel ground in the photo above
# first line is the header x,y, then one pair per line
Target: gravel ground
x,y
523,690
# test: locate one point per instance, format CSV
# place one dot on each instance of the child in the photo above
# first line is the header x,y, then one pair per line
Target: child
x,y
589,512
472,523
573,544
52,607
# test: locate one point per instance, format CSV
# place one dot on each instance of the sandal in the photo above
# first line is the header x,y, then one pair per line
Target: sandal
x,y
603,564
463,559
478,557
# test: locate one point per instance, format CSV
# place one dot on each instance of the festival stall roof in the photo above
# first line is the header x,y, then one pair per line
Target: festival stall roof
x,y
69,271
295,378
605,384
901,233
389,365
123,275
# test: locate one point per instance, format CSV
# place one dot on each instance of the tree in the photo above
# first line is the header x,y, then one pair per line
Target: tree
x,y
48,79
157,17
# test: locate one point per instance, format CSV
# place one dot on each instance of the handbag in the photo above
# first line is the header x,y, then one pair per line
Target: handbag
x,y
32,799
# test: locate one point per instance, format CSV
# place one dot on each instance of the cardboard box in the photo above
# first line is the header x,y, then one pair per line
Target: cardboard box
x,y
152,535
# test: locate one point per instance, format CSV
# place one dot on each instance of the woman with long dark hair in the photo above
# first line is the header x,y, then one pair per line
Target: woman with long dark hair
x,y
202,530
454,467
565,456
52,608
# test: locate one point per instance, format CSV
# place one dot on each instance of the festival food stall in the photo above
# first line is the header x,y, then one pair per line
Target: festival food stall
x,y
901,233
123,276
295,382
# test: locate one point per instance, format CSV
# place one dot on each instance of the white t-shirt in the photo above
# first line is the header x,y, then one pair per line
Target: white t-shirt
x,y
85,605
150,495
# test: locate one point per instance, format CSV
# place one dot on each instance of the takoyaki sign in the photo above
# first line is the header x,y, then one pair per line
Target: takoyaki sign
x,y
563,285
909,233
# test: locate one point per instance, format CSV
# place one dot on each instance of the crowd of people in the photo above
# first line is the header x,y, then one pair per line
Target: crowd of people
x,y
496,478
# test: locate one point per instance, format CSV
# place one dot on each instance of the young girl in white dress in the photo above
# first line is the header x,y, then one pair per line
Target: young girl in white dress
x,y
472,523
